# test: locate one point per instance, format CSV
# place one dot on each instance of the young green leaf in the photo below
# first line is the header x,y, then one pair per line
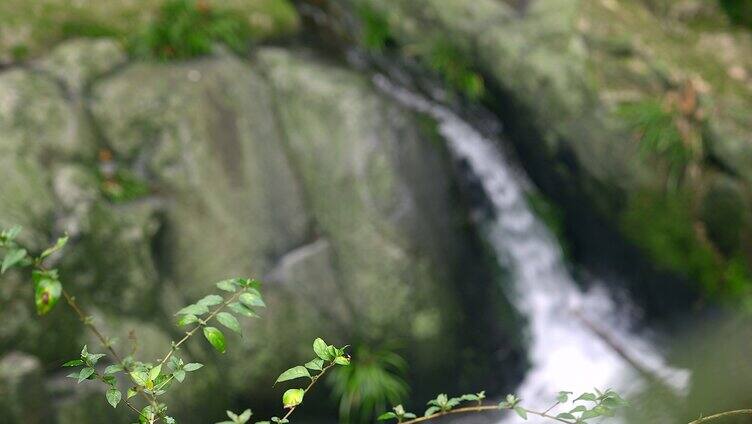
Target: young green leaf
x,y
154,372
229,321
58,245
320,348
342,360
215,338
228,285
193,310
73,363
85,373
113,369
11,258
316,364
251,299
243,310
293,373
179,375
187,319
193,366
113,396
521,412
210,300
387,416
292,398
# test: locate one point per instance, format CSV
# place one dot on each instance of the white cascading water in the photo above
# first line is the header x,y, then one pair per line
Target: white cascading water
x,y
565,352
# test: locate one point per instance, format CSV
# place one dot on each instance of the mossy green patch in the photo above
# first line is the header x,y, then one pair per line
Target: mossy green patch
x,y
188,28
662,225
656,128
35,26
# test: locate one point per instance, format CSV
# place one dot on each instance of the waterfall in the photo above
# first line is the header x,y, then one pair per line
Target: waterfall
x,y
566,325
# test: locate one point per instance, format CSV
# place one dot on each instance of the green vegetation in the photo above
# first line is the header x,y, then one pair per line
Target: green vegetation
x,y
31,27
663,225
739,11
124,187
189,28
149,382
372,382
455,67
655,127
375,33
440,55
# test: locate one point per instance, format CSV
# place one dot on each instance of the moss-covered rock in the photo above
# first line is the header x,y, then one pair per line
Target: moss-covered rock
x,y
603,100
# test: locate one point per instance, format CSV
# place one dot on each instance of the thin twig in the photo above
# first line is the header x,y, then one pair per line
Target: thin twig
x,y
722,415
188,335
314,379
86,320
481,408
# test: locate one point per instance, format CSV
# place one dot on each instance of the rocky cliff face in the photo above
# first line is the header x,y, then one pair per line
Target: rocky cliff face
x,y
170,177
631,113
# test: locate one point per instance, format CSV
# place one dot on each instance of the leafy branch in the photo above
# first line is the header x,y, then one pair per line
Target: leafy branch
x,y
327,356
585,407
149,381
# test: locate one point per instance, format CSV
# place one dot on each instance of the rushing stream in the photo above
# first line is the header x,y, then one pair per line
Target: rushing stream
x,y
578,339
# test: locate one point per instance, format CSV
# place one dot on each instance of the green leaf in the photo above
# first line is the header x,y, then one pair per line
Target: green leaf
x,y
216,338
154,372
85,373
228,285
187,319
586,396
58,245
566,416
73,363
563,397
320,348
292,398
387,416
140,377
11,258
47,291
243,310
293,373
316,364
210,300
113,369
245,416
193,366
342,360
193,310
11,233
179,375
113,396
229,321
432,410
521,412
131,392
251,299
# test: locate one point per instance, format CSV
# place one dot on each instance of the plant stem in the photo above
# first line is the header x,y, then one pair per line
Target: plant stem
x,y
314,379
722,415
480,408
86,320
188,335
